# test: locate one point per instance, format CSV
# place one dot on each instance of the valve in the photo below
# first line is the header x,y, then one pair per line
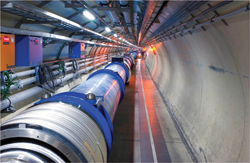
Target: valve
x,y
18,84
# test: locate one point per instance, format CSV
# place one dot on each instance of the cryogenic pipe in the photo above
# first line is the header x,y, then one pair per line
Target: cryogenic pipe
x,y
126,14
31,80
134,54
31,72
112,14
34,79
33,91
74,126
89,62
68,133
131,57
129,60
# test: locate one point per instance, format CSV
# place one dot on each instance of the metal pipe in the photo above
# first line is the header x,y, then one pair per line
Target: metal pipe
x,y
246,8
34,79
92,11
74,126
147,14
198,16
31,72
156,16
113,15
126,14
179,15
29,93
118,69
61,128
32,91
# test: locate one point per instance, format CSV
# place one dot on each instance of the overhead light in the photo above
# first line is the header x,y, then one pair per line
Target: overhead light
x,y
107,29
120,38
88,15
115,35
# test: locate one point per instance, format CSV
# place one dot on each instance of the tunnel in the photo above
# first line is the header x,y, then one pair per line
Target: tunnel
x,y
125,81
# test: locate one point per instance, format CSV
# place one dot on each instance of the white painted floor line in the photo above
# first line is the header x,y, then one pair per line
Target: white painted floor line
x,y
149,127
137,146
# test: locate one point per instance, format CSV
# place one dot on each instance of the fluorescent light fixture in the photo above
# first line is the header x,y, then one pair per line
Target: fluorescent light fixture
x,y
115,35
107,29
88,15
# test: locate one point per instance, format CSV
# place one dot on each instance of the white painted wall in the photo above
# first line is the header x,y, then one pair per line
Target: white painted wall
x,y
209,104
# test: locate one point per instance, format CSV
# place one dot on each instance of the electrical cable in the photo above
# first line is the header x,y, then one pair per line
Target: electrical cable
x,y
62,67
75,65
5,89
47,78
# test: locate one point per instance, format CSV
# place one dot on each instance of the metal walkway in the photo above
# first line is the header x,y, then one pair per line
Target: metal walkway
x,y
144,130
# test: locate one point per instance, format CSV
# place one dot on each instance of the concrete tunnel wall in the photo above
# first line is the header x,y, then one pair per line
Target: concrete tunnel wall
x,y
204,80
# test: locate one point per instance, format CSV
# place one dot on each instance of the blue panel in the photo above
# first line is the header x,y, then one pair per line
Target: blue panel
x,y
22,51
36,50
29,51
77,50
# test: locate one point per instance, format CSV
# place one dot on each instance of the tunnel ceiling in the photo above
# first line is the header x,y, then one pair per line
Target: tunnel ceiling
x,y
129,19
139,22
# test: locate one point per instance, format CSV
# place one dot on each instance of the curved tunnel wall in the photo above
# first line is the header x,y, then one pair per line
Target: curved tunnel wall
x,y
204,80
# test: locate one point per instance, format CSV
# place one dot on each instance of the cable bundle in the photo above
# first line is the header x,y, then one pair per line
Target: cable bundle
x,y
46,77
62,67
75,65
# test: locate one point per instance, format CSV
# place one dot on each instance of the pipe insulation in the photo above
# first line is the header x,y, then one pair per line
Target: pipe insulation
x,y
74,126
126,14
31,72
32,91
56,72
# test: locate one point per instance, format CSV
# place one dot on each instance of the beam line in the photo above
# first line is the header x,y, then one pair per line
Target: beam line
x,y
147,14
116,9
41,22
73,5
123,25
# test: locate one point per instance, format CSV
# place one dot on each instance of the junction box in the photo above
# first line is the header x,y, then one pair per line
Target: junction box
x,y
7,51
77,50
29,51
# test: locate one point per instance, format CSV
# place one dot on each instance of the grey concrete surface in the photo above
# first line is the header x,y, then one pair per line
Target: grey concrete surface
x,y
204,80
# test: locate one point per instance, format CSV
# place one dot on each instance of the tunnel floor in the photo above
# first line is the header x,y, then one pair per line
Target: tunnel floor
x,y
143,128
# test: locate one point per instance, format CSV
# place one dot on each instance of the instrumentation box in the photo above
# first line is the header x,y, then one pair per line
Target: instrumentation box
x,y
7,51
77,50
29,51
